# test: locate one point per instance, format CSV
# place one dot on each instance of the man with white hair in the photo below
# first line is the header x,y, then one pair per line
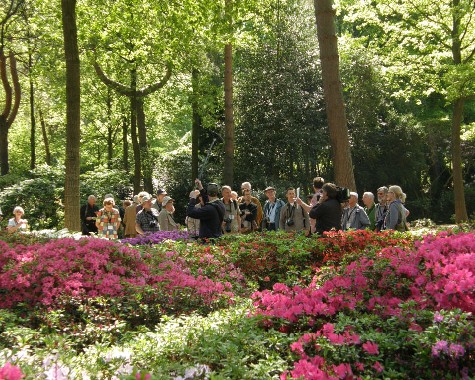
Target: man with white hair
x,y
247,186
370,208
354,216
88,214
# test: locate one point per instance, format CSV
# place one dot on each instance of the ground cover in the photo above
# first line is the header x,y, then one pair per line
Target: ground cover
x,y
264,306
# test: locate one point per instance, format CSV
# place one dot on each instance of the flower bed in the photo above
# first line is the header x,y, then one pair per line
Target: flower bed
x,y
354,305
383,309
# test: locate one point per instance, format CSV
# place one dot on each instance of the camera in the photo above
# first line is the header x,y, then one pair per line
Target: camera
x,y
152,223
228,220
290,222
342,194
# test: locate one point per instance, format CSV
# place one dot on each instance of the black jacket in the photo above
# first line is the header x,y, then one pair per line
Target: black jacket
x,y
327,215
211,217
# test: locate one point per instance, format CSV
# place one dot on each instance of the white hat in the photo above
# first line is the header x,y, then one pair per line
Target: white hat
x,y
146,197
166,200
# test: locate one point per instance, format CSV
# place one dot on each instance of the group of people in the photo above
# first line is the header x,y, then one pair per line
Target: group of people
x,y
143,214
209,216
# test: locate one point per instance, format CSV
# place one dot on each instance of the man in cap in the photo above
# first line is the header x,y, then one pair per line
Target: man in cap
x,y
157,202
211,213
271,211
165,218
247,186
147,218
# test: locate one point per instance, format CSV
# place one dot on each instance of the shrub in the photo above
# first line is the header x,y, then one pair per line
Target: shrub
x,y
393,292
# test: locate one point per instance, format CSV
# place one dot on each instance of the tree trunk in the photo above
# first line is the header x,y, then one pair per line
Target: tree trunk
x,y
73,116
45,139
228,174
9,112
135,146
335,107
147,161
32,116
195,126
125,144
5,167
137,120
110,132
457,116
459,194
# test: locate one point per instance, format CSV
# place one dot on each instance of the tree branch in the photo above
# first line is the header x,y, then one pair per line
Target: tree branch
x,y
17,87
128,91
6,85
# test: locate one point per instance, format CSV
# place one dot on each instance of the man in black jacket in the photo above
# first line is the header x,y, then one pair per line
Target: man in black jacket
x,y
327,211
211,213
88,214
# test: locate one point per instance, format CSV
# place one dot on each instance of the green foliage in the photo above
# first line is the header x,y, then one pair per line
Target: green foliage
x,y
279,100
102,181
40,196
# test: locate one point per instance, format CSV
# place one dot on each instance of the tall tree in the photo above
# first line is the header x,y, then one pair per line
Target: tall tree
x,y
136,97
430,51
73,116
12,96
335,106
228,172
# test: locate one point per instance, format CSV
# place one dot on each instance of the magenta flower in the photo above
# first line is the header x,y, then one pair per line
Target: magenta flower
x,y
371,348
10,372
378,367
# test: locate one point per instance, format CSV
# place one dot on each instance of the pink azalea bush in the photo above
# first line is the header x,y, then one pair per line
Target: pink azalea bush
x,y
10,372
43,273
51,273
400,287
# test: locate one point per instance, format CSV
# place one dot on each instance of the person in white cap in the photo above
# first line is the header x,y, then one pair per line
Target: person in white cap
x,y
147,218
165,218
354,216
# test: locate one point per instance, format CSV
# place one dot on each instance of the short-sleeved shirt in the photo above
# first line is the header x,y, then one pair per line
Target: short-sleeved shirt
x,y
108,223
148,220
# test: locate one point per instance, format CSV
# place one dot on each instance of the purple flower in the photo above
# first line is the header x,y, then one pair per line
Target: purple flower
x,y
157,237
440,346
438,317
456,350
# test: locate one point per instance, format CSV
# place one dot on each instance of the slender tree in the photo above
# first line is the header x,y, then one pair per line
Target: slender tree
x,y
335,107
73,116
136,97
430,49
12,95
228,174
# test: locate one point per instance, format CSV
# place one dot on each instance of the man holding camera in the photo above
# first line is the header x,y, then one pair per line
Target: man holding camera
x,y
232,219
327,212
293,217
147,218
211,213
